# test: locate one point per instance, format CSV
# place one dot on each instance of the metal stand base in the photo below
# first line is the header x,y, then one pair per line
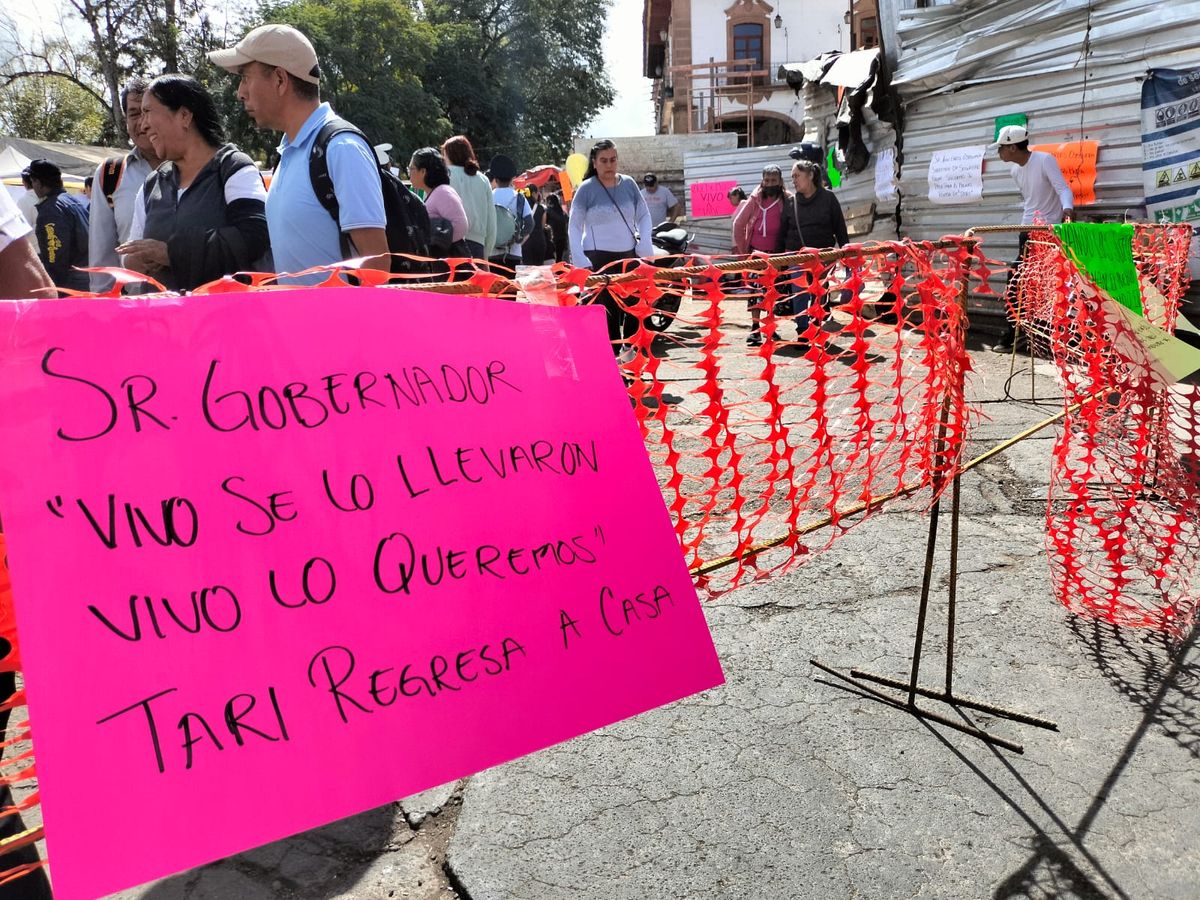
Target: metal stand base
x,y
912,687
856,677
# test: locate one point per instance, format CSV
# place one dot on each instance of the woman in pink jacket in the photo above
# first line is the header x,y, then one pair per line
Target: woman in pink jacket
x,y
757,229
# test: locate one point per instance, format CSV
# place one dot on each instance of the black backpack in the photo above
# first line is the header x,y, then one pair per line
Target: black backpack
x,y
111,173
408,229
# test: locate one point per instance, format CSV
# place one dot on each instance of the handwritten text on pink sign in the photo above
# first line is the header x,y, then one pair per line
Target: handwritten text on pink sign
x,y
711,198
279,558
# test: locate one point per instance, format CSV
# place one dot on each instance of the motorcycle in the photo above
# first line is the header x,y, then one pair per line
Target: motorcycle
x,y
671,242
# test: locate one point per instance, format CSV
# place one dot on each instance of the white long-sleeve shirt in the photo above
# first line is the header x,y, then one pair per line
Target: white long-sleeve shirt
x,y
1045,190
108,228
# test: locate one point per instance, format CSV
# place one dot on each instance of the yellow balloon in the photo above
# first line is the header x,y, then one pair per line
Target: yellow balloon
x,y
576,167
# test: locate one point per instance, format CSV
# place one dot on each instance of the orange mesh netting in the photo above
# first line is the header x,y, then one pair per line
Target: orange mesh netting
x,y
859,401
1122,522
17,767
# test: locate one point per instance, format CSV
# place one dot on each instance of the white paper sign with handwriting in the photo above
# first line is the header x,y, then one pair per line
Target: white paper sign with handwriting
x,y
885,175
956,175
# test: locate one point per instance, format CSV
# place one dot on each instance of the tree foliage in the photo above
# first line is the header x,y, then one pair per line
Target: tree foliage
x,y
123,38
52,109
372,55
536,65
516,76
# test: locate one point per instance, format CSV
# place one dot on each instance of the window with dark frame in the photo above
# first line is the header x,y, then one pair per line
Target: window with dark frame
x,y
868,33
748,42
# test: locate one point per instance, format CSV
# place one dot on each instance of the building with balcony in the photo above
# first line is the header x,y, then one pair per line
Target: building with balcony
x,y
716,64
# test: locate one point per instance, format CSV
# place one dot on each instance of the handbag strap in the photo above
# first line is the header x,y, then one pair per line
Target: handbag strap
x,y
612,200
796,216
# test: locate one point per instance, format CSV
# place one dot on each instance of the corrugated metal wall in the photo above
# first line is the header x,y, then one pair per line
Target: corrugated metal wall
x,y
1073,67
745,166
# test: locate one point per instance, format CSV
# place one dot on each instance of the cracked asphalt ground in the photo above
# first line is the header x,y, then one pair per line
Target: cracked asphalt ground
x,y
784,784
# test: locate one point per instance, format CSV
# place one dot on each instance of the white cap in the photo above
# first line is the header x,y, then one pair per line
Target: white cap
x,y
1011,134
273,45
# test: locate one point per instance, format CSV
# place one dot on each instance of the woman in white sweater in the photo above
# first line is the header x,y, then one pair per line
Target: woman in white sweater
x,y
610,224
475,191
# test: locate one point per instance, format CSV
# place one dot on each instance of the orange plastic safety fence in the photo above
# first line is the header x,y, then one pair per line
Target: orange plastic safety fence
x,y
853,394
15,746
1123,522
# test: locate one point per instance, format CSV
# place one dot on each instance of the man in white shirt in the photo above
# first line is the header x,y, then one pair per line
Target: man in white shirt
x,y
660,201
114,187
1048,198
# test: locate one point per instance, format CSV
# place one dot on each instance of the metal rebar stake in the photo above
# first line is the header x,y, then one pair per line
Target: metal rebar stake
x,y
912,687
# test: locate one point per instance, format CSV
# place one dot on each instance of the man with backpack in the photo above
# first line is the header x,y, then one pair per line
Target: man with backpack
x,y
62,227
329,198
114,187
514,217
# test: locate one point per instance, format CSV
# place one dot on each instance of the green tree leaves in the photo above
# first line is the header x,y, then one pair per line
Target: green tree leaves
x,y
516,76
51,109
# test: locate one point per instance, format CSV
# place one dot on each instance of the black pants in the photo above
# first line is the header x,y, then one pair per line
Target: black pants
x,y
1009,334
621,324
505,260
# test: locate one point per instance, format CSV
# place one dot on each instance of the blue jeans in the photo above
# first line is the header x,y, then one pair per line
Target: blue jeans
x,y
802,300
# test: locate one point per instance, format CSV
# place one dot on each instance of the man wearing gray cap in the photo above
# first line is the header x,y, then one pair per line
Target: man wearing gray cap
x,y
279,75
1048,198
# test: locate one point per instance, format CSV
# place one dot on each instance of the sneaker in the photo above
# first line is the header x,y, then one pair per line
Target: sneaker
x,y
755,338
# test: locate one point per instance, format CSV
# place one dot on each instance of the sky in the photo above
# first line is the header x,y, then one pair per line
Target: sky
x,y
632,113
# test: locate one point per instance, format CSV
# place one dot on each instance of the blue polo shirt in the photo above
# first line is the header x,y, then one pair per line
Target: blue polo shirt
x,y
303,234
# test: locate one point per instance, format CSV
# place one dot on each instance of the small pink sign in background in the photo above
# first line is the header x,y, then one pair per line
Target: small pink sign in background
x,y
282,557
711,198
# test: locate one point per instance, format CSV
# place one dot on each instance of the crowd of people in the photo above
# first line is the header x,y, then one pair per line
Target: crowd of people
x,y
185,207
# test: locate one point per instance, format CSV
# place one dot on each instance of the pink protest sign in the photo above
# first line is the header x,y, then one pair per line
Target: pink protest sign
x,y
711,198
281,557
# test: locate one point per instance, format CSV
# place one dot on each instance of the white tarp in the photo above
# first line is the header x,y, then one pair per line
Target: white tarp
x,y
12,162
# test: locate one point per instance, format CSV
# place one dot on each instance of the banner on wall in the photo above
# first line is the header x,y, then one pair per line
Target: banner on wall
x,y
1077,160
1171,144
1171,149
270,555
